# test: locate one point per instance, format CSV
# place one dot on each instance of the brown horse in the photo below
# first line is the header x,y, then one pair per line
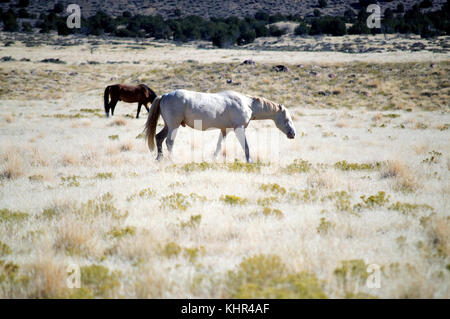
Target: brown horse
x,y
128,93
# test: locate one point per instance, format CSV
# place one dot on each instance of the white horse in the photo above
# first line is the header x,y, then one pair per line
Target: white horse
x,y
224,110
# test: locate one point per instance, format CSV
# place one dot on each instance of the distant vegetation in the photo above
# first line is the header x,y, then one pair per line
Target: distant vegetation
x,y
225,32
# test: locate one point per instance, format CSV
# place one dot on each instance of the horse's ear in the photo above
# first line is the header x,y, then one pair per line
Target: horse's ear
x,y
257,100
280,107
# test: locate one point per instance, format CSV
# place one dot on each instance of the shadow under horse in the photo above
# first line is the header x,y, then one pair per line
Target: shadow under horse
x,y
128,93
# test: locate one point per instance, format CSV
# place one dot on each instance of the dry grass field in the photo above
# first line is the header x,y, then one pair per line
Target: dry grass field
x,y
366,181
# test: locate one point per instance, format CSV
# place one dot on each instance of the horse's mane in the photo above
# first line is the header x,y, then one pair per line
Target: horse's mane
x,y
267,104
149,89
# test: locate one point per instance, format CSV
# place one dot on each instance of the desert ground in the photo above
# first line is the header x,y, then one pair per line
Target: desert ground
x,y
357,205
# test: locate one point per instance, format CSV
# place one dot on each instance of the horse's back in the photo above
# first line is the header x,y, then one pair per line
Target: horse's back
x,y
223,109
224,99
130,93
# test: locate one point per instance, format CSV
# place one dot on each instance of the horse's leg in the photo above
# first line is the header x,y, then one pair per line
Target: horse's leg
x,y
171,134
159,140
138,110
112,106
222,136
146,107
240,133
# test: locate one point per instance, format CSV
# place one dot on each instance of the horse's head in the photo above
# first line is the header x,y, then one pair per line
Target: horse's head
x,y
284,122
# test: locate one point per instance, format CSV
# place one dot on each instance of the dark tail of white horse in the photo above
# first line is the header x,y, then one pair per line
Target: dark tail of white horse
x,y
152,121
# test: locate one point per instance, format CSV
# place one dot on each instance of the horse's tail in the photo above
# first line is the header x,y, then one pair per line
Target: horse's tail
x,y
106,100
150,125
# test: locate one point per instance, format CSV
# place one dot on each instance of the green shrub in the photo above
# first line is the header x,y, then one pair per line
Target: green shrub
x,y
99,281
191,167
351,272
392,115
233,200
274,31
263,276
273,188
323,3
193,222
8,271
171,249
50,213
345,166
328,25
304,196
267,201
101,205
58,7
145,193
238,166
113,137
10,21
302,29
298,166
70,181
9,216
408,208
268,211
4,249
342,201
106,175
433,158
26,27
324,226
119,233
373,201
175,201
35,178
23,3
193,253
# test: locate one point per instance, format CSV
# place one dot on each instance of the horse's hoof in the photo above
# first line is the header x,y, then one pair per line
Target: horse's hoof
x,y
159,157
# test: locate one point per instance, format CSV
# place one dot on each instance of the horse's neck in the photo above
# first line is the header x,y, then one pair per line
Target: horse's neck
x,y
261,113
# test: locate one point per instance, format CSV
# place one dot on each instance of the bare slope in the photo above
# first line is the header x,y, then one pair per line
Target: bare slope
x,y
212,8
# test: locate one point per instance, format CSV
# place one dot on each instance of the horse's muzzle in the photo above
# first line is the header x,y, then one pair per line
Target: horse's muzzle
x,y
290,135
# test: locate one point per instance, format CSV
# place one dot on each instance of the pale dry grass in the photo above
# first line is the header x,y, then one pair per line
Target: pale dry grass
x,y
164,226
13,166
118,122
438,228
126,146
70,159
151,284
421,149
48,277
324,180
9,118
404,178
38,158
74,236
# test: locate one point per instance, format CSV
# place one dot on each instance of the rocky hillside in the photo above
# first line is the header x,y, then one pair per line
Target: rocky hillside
x,y
209,8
